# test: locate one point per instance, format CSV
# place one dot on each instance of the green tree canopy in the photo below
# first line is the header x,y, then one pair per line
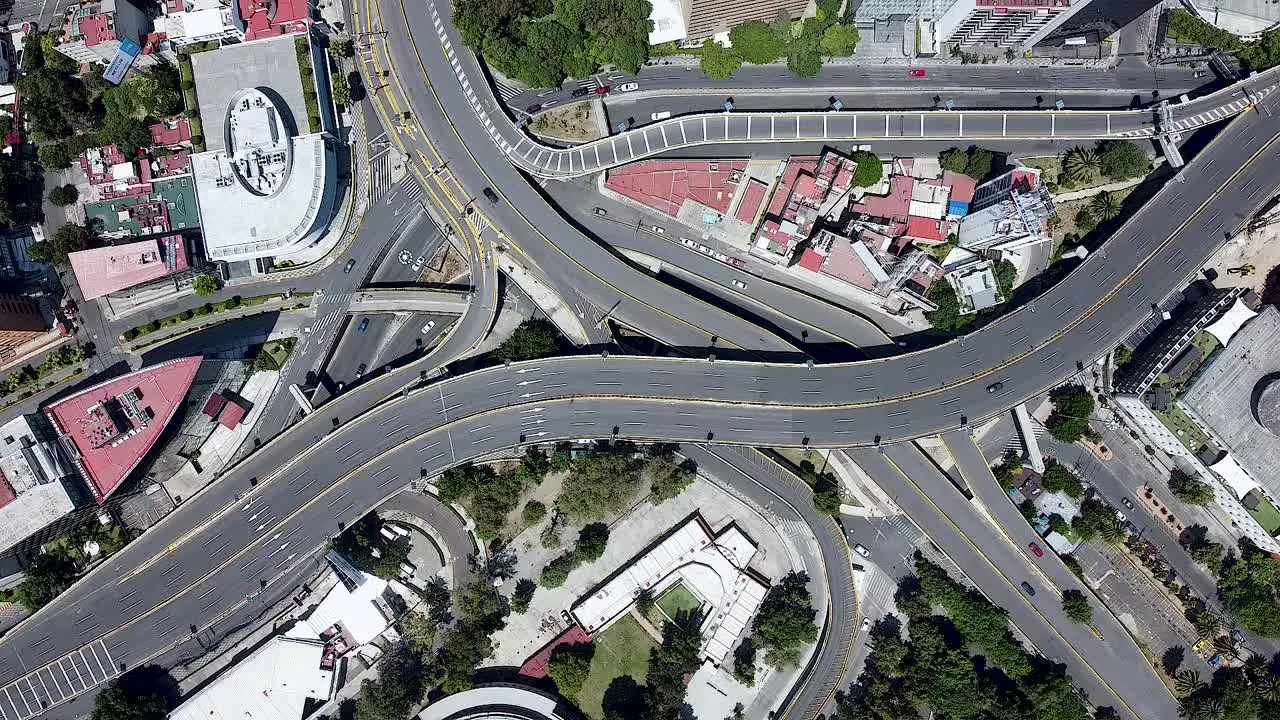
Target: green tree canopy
x,y
1097,520
869,170
1072,407
600,484
523,595
1076,606
669,478
64,195
678,655
1122,159
1249,587
397,691
1189,489
756,42
533,339
569,665
1059,478
840,40
205,284
1080,165
68,239
141,694
717,61
785,622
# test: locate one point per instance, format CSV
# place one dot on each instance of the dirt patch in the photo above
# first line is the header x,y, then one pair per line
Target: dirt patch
x,y
1257,251
1067,211
447,265
576,123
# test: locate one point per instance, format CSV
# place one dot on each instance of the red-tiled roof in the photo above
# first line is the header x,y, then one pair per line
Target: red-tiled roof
x,y
752,197
175,164
164,134
214,405
962,186
664,185
536,665
896,204
844,263
231,414
922,228
811,260
264,18
112,435
96,29
782,193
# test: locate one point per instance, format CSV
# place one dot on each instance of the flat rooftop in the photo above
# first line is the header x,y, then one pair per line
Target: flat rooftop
x,y
270,64
273,683
1222,396
110,427
665,185
100,271
169,207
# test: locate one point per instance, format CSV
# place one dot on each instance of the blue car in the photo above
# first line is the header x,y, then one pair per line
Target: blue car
x,y
364,324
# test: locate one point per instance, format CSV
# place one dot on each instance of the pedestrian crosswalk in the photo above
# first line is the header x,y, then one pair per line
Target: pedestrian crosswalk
x,y
379,176
409,190
70,675
1016,444
326,321
505,91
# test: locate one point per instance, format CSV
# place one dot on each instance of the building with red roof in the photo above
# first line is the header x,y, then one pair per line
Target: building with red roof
x,y
104,270
666,185
749,205
93,31
171,134
109,428
258,19
536,665
112,175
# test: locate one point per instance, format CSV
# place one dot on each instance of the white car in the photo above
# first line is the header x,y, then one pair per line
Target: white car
x,y
858,548
428,327
866,623
739,284
1121,517
419,263
661,115
688,243
658,229
628,87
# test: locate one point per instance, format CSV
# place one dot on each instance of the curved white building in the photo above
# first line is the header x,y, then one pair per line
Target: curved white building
x,y
268,191
498,702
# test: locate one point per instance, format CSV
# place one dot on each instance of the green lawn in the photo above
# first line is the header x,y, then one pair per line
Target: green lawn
x,y
1206,342
1267,515
1188,432
279,350
677,598
621,650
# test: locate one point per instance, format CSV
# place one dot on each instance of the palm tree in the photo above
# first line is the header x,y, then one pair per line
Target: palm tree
x,y
1268,687
1208,625
1112,531
1104,206
1255,667
1226,647
1187,682
1079,165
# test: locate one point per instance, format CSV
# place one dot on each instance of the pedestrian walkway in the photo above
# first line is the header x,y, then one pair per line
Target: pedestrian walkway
x,y
70,675
547,300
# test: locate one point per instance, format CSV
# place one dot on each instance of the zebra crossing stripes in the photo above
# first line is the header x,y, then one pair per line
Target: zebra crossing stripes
x,y
505,91
379,176
70,675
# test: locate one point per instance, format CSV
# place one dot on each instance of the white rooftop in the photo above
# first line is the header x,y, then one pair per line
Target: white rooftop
x,y
713,568
1234,475
271,684
355,610
1225,327
668,18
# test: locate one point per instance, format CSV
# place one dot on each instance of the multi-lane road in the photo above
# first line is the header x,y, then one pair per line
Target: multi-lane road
x,y
295,491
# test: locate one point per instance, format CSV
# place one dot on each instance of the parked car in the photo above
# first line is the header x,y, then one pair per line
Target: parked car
x,y
1126,502
364,325
580,92
490,195
739,284
350,264
658,229
628,87
866,623
661,115
428,327
1026,587
360,370
1035,550
858,548
1121,517
1199,74
916,72
688,243
600,211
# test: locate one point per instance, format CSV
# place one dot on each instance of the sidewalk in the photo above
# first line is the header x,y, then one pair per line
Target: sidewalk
x,y
875,502
202,322
547,300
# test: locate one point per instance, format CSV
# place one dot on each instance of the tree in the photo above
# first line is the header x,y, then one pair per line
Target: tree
x,y
398,689
1104,206
981,161
1097,520
568,667
1208,624
678,655
341,90
600,484
126,132
785,621
756,42
1076,606
804,58
744,662
1080,165
21,185
954,160
1122,159
1189,489
523,595
869,168
159,90
533,339
206,284
64,195
1187,683
592,539
1123,354
68,239
946,318
1058,478
1072,407
669,479
1006,274
137,695
840,40
1249,587
717,61
533,512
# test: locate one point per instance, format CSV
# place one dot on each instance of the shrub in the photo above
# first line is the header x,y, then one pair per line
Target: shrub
x,y
533,512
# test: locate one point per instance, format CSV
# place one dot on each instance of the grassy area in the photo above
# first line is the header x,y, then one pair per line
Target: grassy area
x,y
303,49
1050,167
274,353
1182,426
1267,515
1067,211
677,598
622,650
207,309
1205,342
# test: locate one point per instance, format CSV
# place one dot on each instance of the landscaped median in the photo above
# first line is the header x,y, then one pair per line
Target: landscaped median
x,y
26,381
197,318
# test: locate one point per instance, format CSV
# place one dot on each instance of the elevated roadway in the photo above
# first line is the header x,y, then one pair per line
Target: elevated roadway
x,y
442,302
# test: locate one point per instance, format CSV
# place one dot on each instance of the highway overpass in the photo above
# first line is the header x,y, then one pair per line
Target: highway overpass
x,y
440,302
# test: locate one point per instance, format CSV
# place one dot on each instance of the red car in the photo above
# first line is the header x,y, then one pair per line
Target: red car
x,y
603,90
916,73
1035,550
